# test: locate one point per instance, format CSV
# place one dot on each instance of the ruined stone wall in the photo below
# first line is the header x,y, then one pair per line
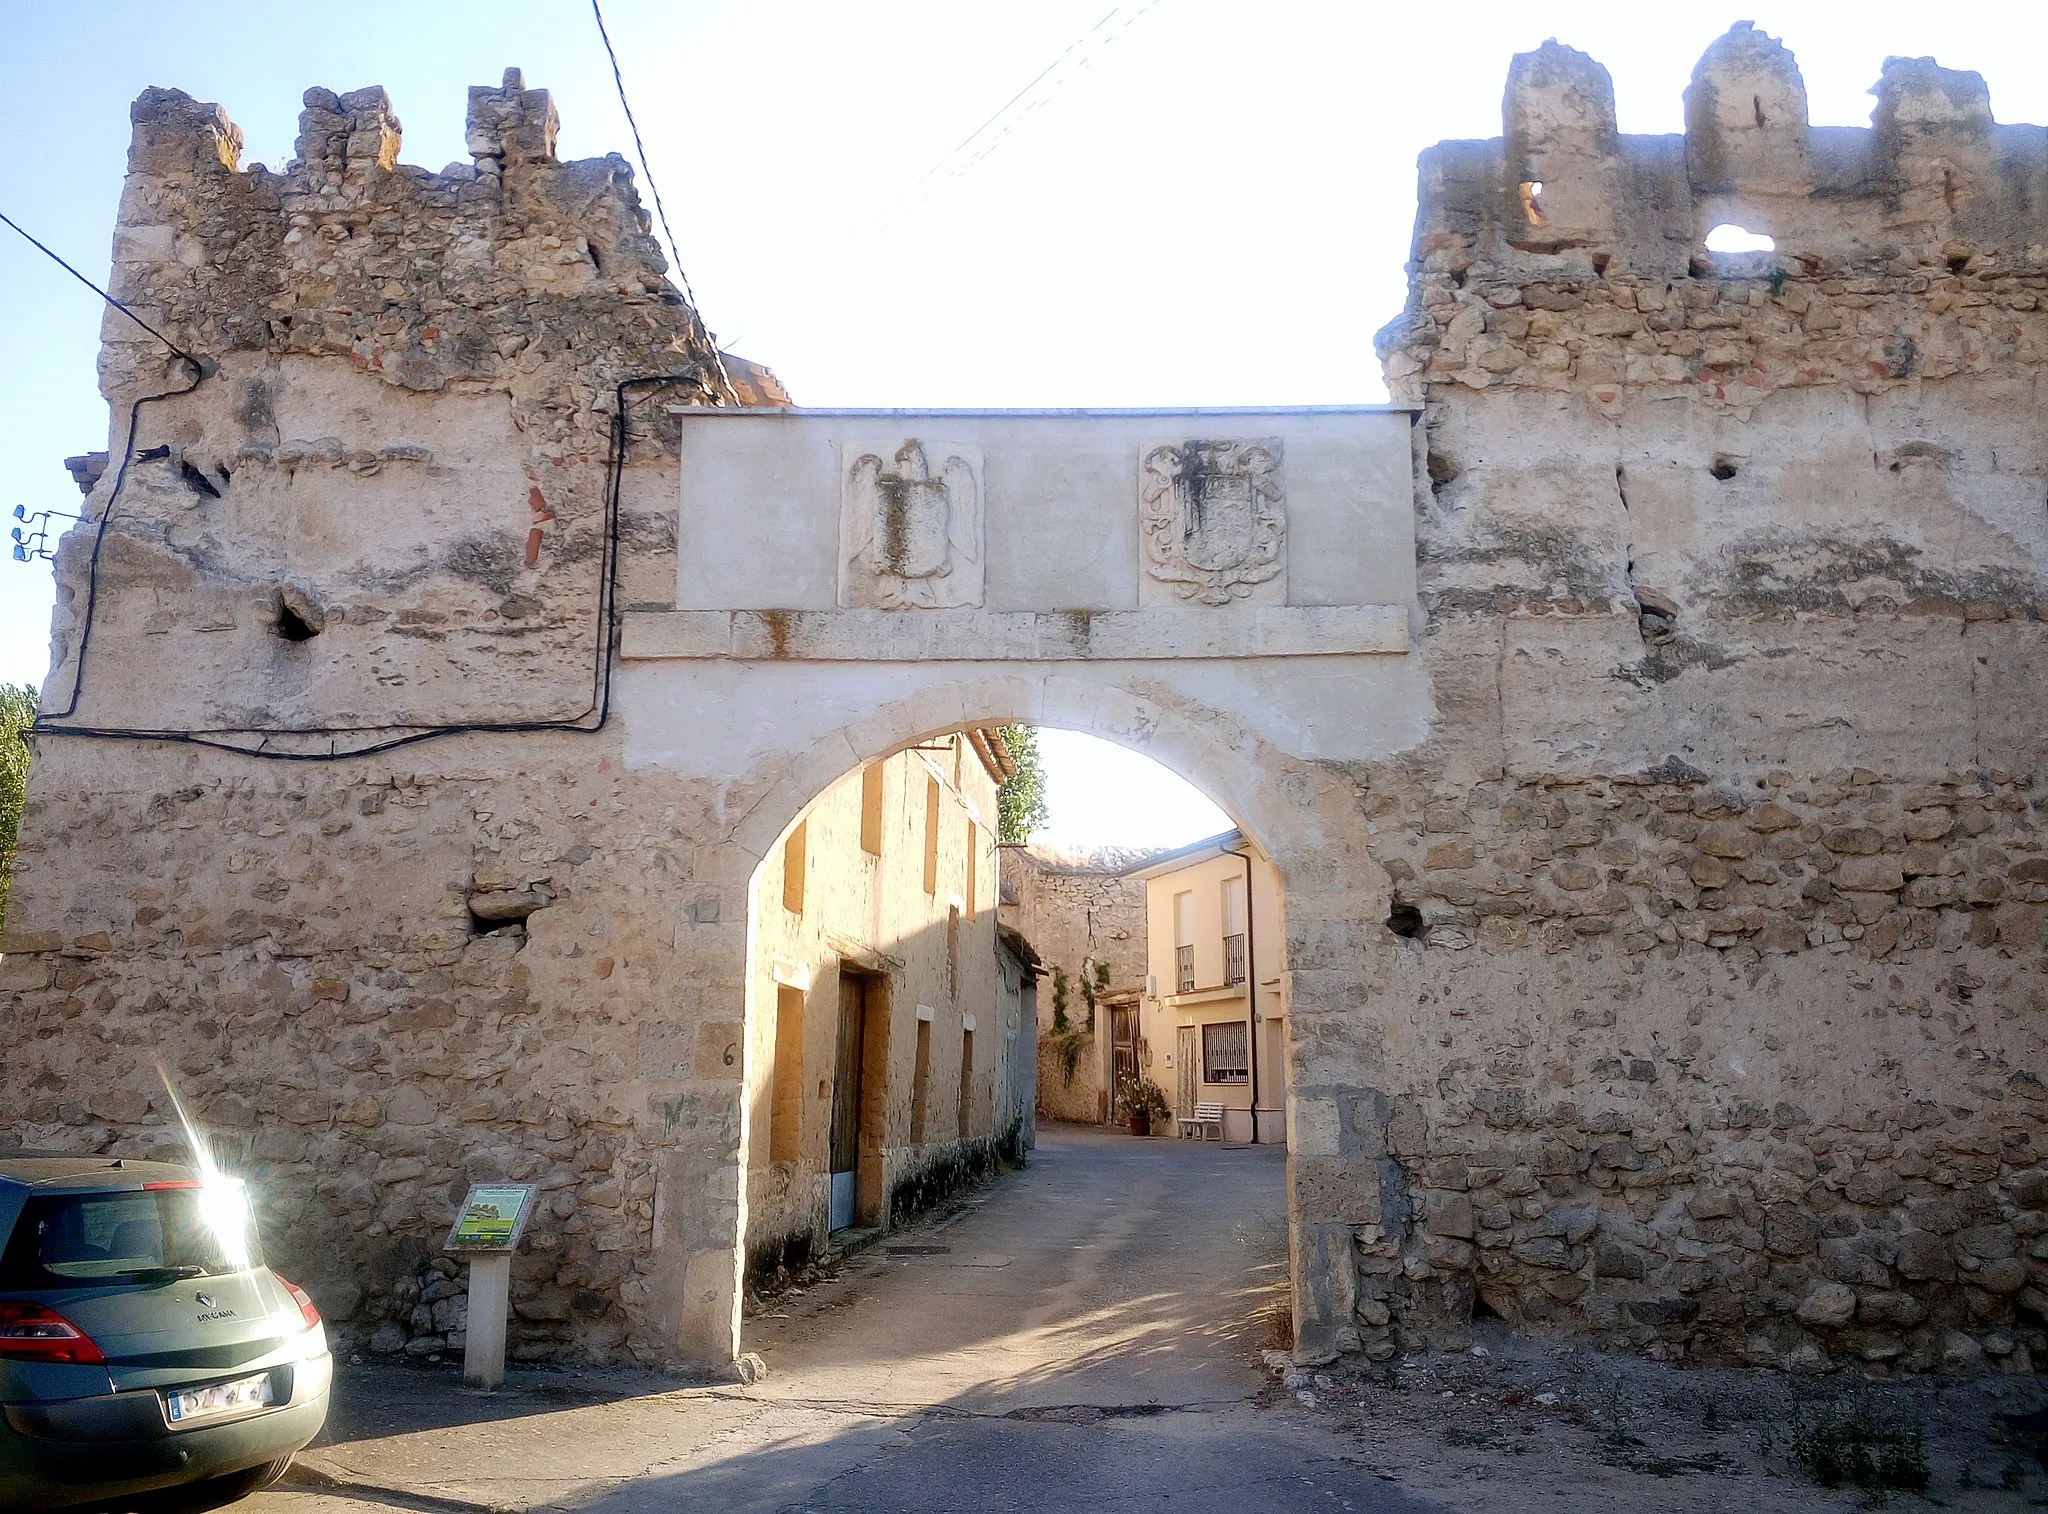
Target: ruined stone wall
x,y
1076,914
1714,1021
376,980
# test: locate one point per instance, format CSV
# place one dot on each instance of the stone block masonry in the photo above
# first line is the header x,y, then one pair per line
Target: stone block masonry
x,y
1666,912
1720,1013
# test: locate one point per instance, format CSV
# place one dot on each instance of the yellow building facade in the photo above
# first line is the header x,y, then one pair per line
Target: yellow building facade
x,y
1211,1024
888,1057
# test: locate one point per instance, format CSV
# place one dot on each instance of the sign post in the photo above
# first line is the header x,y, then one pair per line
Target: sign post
x,y
486,1234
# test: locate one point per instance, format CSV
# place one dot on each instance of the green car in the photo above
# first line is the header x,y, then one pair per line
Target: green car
x,y
143,1343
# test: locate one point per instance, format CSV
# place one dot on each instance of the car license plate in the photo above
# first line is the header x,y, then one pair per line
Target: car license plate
x,y
218,1400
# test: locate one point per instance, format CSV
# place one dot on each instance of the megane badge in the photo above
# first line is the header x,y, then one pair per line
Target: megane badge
x,y
203,1300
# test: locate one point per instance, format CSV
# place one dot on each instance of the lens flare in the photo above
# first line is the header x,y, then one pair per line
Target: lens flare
x,y
223,1199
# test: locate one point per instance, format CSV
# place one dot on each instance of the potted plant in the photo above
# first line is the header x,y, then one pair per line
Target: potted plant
x,y
1143,1103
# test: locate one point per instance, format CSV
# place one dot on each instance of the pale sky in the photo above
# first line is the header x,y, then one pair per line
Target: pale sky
x,y
1200,202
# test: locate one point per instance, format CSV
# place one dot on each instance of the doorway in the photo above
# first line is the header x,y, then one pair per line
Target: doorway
x,y
1123,1056
849,1082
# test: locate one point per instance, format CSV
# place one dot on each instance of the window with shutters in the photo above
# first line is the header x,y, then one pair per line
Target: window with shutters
x,y
786,1108
1224,1058
795,853
871,809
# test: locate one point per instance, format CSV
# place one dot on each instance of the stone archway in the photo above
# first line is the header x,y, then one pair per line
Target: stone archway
x,y
1302,816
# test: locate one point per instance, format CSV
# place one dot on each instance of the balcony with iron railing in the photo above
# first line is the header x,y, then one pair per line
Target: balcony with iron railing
x,y
1233,959
1184,969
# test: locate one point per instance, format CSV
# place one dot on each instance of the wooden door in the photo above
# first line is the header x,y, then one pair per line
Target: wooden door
x,y
1123,1053
1184,1055
846,1091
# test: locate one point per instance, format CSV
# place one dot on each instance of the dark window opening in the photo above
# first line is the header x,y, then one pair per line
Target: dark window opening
x,y
292,626
1226,1053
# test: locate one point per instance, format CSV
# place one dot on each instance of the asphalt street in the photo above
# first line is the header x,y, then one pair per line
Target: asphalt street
x,y
1082,1335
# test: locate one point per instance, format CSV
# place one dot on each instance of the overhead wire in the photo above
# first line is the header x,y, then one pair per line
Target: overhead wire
x,y
956,162
674,250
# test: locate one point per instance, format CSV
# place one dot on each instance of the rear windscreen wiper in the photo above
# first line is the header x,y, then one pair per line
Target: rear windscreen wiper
x,y
163,1274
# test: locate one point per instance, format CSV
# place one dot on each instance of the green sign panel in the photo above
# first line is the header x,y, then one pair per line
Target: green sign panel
x,y
492,1217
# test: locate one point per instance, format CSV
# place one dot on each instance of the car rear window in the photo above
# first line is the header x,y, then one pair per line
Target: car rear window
x,y
81,1240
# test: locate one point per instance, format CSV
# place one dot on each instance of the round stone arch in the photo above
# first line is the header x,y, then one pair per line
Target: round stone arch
x,y
1303,815
1274,798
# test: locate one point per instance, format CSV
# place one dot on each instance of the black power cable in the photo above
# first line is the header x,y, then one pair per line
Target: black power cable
x,y
591,719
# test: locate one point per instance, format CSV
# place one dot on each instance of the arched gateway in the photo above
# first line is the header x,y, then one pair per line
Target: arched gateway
x,y
1647,727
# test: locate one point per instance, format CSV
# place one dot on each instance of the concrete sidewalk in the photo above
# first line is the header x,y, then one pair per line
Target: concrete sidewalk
x,y
1083,1335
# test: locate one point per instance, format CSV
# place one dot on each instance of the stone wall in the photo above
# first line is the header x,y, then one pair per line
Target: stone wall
x,y
1714,1021
379,979
1079,913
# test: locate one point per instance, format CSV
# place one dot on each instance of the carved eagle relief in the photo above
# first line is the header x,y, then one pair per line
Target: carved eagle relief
x,y
910,526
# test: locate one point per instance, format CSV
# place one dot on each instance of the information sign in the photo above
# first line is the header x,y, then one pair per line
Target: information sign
x,y
492,1217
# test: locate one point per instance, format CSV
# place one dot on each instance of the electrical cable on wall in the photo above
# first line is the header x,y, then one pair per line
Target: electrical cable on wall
x,y
593,718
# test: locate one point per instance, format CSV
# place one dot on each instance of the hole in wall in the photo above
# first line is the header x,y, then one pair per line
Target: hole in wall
x,y
1405,921
1756,104
480,925
1600,262
1723,468
1531,191
1656,615
1728,237
292,626
1959,266
298,618
1443,472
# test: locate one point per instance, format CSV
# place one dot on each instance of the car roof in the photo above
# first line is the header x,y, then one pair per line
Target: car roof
x,y
57,1169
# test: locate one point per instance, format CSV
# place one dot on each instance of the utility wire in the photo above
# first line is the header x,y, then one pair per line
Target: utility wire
x,y
593,718
88,283
647,173
955,163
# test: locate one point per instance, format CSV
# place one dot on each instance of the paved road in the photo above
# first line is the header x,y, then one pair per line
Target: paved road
x,y
1082,1336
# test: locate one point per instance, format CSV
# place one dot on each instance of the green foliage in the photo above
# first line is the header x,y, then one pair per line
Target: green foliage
x,y
1020,803
1856,1444
17,714
1136,1095
1065,1040
1093,988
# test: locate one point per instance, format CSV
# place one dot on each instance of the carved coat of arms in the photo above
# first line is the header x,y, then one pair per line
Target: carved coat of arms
x,y
1213,516
910,525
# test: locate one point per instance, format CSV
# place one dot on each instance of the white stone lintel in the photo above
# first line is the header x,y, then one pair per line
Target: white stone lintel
x,y
1014,636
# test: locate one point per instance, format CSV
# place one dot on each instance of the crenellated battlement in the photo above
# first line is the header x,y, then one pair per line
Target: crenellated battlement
x,y
415,275
1935,203
1932,169
404,414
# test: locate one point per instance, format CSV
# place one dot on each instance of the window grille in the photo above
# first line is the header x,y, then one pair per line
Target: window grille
x,y
1184,967
1233,958
1224,1053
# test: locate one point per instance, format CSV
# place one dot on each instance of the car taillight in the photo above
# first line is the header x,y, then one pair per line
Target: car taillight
x,y
31,1333
307,1311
